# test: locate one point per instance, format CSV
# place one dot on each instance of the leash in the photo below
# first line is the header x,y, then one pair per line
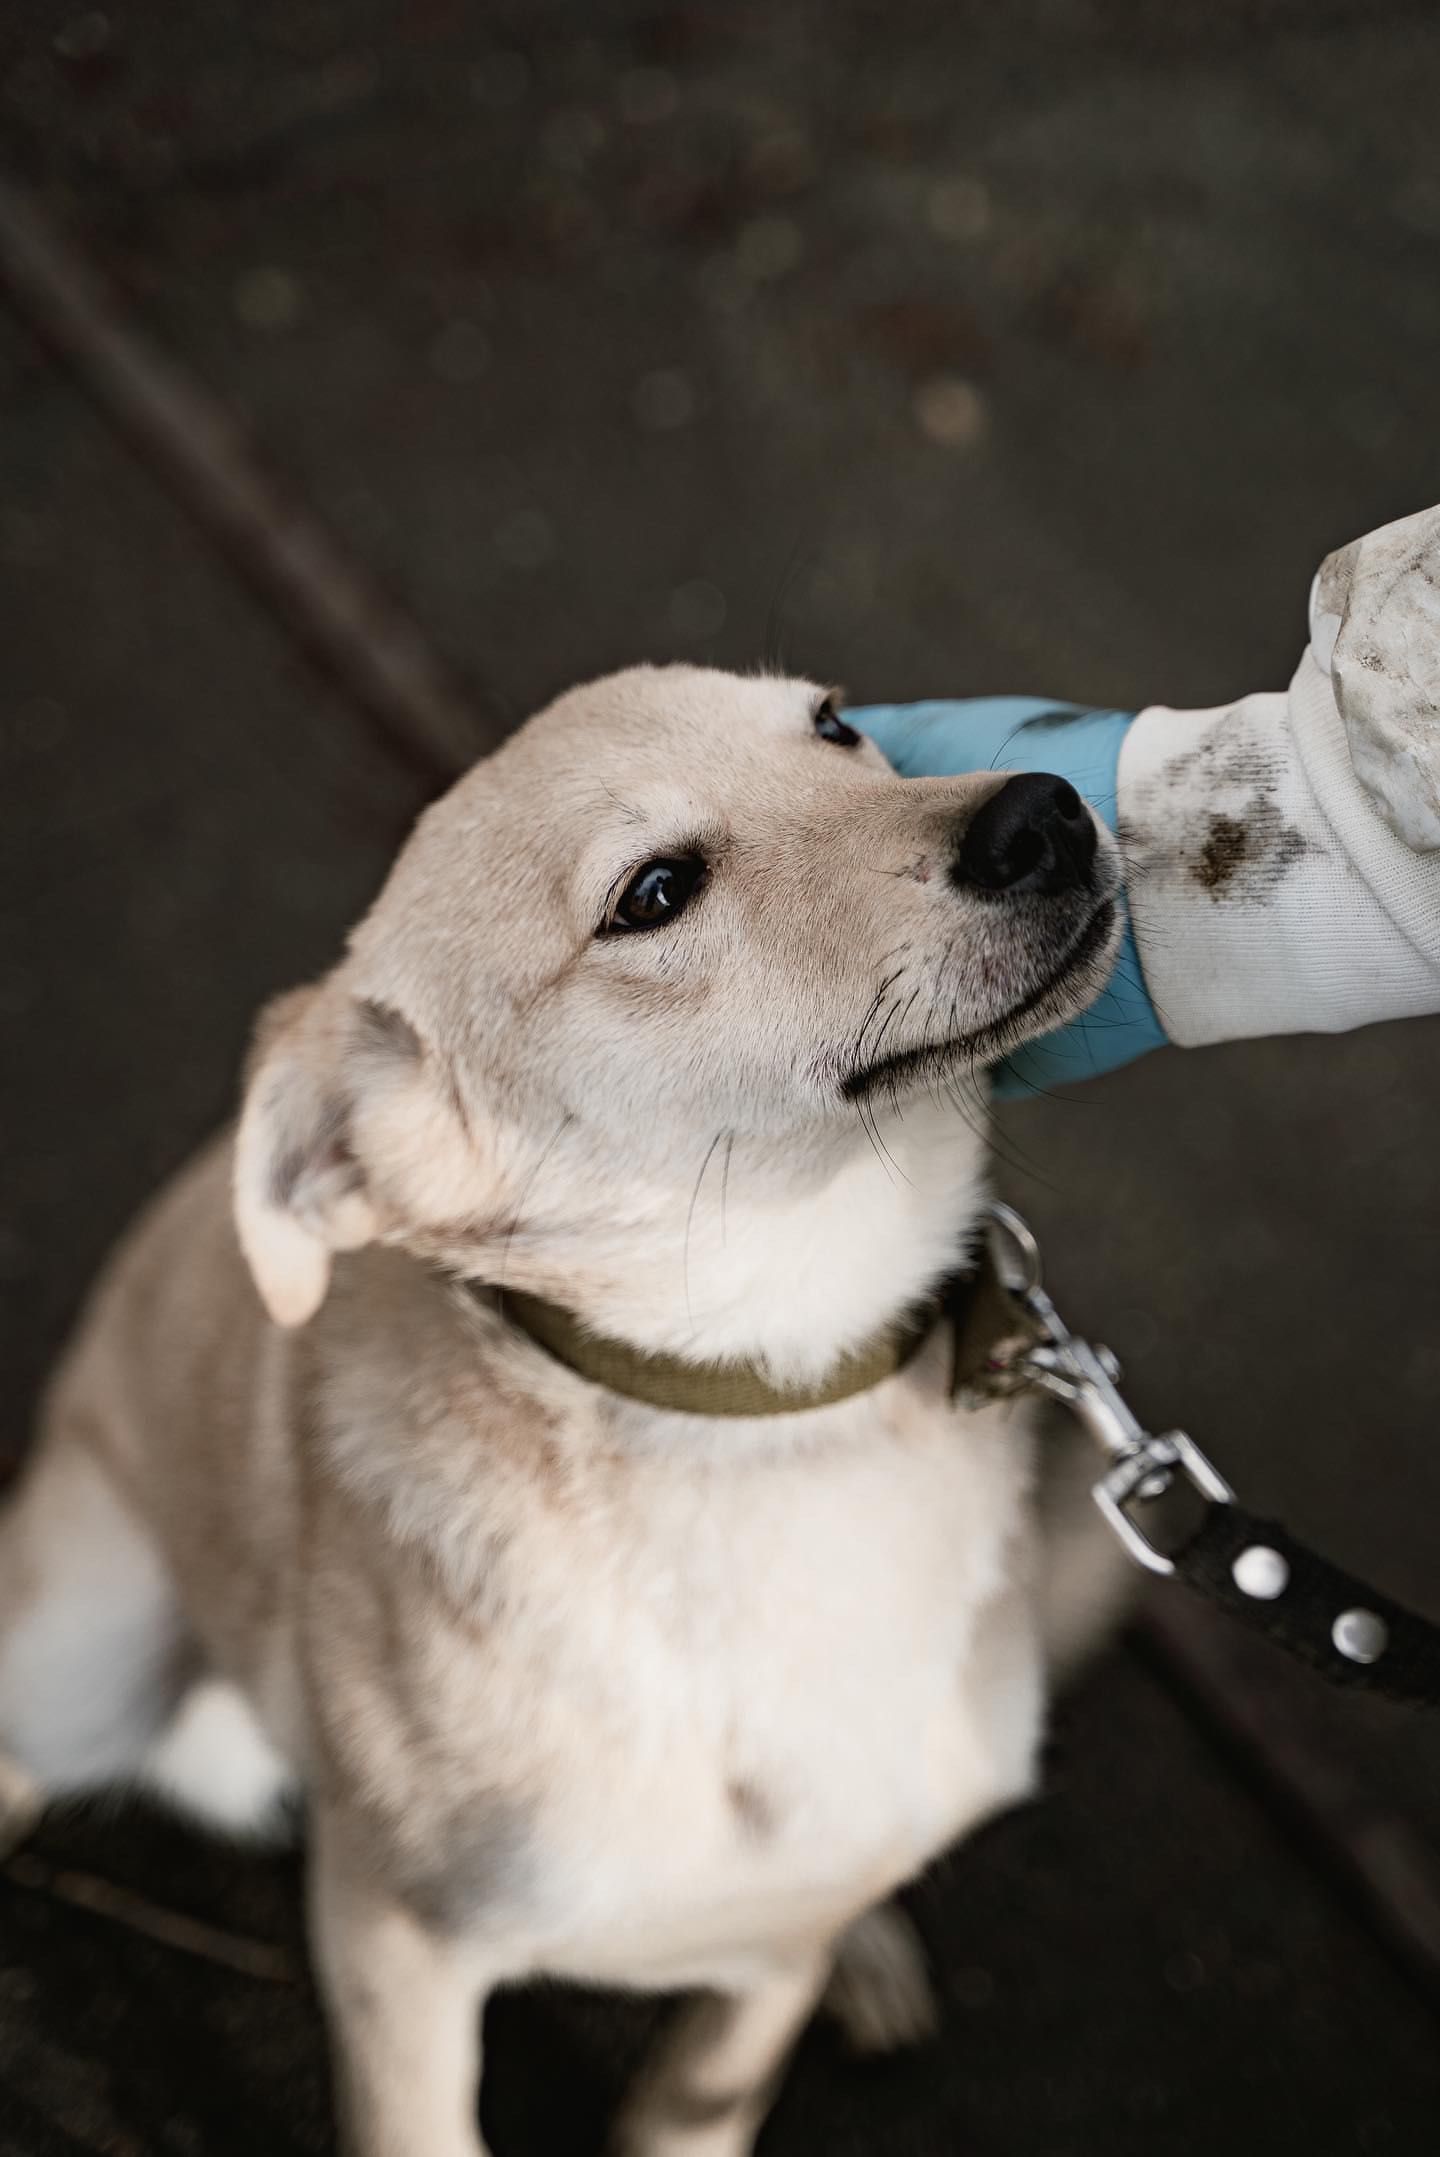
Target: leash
x,y
1011,1339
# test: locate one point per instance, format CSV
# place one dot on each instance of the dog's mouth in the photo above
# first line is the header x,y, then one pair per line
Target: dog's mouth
x,y
1065,989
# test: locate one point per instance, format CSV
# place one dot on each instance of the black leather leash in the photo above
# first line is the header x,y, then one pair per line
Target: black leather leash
x,y
1009,1338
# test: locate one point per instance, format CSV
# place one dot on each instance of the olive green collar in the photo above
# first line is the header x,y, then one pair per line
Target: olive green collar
x,y
710,1389
990,1327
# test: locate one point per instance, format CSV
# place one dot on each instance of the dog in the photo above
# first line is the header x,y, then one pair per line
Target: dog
x,y
666,1020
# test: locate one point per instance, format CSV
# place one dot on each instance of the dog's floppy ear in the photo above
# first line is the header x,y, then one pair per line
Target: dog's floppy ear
x,y
300,1186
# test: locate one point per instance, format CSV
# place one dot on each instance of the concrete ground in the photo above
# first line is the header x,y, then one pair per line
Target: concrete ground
x,y
940,349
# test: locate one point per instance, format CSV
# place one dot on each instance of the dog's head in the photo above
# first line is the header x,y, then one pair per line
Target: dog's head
x,y
680,914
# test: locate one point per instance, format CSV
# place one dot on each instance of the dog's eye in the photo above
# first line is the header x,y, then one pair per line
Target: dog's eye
x,y
831,727
658,892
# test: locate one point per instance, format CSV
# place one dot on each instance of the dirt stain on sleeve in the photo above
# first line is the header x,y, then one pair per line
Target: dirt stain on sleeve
x,y
1226,846
1245,856
1213,817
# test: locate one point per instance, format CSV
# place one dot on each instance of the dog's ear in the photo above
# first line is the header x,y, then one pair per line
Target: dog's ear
x,y
301,1188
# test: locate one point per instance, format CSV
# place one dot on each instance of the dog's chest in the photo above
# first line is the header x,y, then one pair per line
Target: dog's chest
x,y
749,1692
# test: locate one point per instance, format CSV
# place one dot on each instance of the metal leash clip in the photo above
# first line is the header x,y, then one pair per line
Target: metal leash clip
x,y
1085,1376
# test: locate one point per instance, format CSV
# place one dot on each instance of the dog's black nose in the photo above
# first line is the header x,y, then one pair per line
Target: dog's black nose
x,y
1036,834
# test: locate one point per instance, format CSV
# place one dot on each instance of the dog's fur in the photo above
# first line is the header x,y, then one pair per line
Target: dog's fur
x,y
571,1684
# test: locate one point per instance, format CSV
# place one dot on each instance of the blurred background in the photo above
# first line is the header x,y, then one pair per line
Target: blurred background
x,y
371,373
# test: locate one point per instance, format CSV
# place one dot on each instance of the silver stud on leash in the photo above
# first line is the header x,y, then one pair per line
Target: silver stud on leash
x,y
1361,1635
1261,1572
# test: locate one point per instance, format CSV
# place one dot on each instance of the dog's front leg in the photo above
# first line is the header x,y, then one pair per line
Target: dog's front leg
x,y
403,2004
712,2085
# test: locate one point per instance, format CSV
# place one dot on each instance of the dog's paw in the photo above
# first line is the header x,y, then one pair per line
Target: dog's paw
x,y
880,1991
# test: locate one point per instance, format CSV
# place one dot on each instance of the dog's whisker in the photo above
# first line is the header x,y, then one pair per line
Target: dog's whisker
x,y
890,1010
627,809
899,1171
690,1223
725,1182
861,1110
886,985
914,998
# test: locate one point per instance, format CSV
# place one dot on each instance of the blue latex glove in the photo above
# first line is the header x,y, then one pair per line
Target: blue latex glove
x,y
945,740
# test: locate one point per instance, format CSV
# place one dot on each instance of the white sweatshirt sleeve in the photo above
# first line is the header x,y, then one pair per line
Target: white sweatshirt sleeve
x,y
1283,852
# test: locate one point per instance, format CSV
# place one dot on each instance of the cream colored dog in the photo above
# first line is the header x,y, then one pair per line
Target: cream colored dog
x,y
659,1017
